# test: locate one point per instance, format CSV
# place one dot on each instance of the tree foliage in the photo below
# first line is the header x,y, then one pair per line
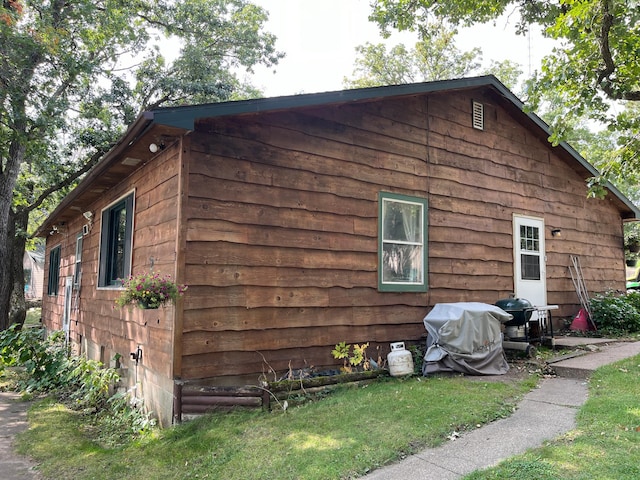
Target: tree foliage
x,y
434,57
595,66
75,73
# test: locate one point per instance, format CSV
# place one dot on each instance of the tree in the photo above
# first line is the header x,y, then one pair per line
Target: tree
x,y
75,73
434,57
595,63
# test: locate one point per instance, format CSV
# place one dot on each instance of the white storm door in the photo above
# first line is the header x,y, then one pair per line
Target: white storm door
x,y
530,259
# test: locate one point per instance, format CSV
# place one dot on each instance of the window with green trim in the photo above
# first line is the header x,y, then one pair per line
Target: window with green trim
x,y
116,238
54,271
402,244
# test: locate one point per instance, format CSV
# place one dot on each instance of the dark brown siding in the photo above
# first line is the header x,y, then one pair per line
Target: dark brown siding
x,y
95,317
481,178
283,222
281,252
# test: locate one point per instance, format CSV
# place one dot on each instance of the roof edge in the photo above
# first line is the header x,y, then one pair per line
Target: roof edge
x,y
142,123
185,117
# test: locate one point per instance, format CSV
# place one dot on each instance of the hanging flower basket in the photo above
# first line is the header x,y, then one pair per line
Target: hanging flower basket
x,y
149,290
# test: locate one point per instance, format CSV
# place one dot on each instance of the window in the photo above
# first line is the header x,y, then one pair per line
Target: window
x,y
530,262
116,237
77,274
402,232
54,271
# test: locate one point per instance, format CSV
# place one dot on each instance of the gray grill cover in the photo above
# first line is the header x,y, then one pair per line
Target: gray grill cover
x,y
465,337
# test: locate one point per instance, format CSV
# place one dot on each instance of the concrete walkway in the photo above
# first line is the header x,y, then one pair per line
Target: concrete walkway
x,y
13,419
544,414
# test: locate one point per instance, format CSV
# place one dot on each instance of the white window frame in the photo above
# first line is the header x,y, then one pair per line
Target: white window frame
x,y
77,273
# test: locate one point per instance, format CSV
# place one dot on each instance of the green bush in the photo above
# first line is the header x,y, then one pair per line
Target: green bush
x,y
43,358
615,313
79,383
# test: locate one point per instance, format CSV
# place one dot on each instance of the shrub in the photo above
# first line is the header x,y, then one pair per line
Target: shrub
x,y
44,358
80,383
616,314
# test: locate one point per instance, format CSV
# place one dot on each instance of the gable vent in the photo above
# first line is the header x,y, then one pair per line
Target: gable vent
x,y
478,115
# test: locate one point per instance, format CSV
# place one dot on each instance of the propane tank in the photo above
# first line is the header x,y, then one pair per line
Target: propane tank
x,y
400,360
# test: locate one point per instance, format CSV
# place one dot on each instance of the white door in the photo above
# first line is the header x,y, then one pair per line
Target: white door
x,y
530,259
66,315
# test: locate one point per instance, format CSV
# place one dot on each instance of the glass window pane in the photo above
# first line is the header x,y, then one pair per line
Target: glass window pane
x,y
530,265
529,238
120,238
54,271
402,221
402,263
116,242
402,243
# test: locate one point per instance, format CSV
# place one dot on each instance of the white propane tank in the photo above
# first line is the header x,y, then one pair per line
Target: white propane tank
x,y
400,360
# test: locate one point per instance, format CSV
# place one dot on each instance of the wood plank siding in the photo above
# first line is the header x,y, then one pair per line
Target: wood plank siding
x,y
281,225
96,322
268,211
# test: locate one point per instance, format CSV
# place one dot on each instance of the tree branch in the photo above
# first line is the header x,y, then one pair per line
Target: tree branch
x,y
91,161
609,65
603,41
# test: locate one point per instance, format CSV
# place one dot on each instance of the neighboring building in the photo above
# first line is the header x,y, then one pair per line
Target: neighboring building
x,y
300,222
33,266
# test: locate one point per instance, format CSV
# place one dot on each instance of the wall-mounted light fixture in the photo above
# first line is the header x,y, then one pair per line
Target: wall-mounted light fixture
x,y
137,355
556,232
154,147
57,229
87,227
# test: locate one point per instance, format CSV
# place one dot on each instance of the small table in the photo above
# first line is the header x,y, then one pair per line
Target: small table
x,y
544,323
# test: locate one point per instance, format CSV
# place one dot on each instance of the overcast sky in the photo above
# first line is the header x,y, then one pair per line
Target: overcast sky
x,y
319,38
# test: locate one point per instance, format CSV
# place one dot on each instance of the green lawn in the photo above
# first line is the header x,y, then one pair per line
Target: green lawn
x,y
605,444
347,433
33,317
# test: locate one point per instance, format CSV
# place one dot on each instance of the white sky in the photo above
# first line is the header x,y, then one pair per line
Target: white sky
x,y
319,38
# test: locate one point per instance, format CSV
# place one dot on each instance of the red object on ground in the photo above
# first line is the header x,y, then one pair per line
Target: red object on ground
x,y
581,322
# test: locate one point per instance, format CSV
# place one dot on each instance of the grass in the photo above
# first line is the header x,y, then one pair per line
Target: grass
x,y
605,443
33,317
346,434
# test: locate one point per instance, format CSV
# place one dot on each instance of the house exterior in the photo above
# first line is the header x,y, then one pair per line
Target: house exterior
x,y
33,266
300,222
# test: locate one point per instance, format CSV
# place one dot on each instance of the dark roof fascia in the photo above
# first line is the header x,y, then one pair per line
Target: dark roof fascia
x,y
608,185
186,116
570,150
